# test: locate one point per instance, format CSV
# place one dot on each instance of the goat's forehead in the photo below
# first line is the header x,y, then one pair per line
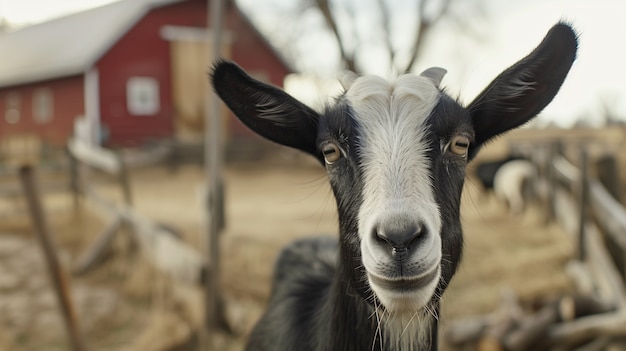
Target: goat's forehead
x,y
407,99
407,84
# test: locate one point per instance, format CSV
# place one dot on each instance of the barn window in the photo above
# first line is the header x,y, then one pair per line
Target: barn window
x,y
12,112
43,105
142,96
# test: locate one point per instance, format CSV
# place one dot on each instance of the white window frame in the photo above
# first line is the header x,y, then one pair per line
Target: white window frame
x,y
43,105
12,113
142,96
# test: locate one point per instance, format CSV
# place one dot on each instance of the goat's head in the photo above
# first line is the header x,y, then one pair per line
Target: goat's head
x,y
396,153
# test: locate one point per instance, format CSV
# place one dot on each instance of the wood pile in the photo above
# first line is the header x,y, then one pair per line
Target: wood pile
x,y
574,322
594,317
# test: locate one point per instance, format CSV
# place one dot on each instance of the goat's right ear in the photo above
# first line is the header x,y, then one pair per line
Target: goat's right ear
x,y
267,110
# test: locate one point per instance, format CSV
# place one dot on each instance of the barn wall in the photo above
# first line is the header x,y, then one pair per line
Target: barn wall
x,y
256,56
67,104
142,52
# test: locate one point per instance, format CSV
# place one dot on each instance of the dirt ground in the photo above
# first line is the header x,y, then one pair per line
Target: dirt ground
x,y
126,305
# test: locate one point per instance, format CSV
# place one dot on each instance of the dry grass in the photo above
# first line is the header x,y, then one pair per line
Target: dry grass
x,y
266,208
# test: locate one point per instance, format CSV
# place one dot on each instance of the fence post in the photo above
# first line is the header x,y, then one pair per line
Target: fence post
x,y
608,175
58,276
583,201
73,175
555,149
123,179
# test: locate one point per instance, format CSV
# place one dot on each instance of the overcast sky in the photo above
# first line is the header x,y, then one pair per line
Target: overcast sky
x,y
32,11
509,30
513,29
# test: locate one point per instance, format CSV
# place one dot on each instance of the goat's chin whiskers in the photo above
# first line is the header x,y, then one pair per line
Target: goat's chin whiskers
x,y
409,322
378,332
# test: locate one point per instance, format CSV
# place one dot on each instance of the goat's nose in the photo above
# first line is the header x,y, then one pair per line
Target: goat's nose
x,y
400,237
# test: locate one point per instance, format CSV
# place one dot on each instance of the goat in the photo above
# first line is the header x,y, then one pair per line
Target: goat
x,y
485,172
510,179
395,154
510,182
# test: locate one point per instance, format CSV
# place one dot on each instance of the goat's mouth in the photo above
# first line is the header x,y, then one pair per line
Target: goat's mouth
x,y
404,284
405,293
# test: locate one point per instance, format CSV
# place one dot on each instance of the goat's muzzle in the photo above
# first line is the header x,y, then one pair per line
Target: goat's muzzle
x,y
399,237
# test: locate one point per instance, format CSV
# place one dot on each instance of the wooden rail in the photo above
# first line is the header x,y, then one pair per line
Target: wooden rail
x,y
160,246
612,218
586,205
597,212
596,221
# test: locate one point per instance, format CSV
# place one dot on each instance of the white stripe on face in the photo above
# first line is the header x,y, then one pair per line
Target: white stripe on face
x,y
397,181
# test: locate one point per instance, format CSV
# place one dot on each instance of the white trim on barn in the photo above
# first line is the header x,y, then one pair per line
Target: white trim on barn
x,y
92,106
182,33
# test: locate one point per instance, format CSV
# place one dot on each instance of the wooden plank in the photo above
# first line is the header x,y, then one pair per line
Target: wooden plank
x,y
57,275
94,156
603,269
164,250
565,171
468,330
124,181
608,210
161,248
585,328
608,175
606,278
532,329
612,219
610,214
95,252
583,203
565,210
579,273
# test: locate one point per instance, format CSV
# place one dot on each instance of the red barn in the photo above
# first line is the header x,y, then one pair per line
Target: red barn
x,y
129,72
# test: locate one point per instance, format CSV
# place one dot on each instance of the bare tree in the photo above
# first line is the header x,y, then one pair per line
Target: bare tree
x,y
347,57
395,31
426,22
608,106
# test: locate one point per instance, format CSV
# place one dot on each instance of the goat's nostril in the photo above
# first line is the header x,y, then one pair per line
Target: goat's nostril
x,y
399,237
418,233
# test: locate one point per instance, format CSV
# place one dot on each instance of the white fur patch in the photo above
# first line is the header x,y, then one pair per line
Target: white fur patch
x,y
408,331
397,178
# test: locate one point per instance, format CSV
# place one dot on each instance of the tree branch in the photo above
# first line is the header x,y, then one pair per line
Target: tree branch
x,y
425,26
346,58
386,23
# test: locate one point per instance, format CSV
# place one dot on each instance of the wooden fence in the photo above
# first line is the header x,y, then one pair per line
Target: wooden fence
x,y
582,193
584,201
160,246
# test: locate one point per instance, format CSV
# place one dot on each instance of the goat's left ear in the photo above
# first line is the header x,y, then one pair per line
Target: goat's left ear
x,y
520,92
267,110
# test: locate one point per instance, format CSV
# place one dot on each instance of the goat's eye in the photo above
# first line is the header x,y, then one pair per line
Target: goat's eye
x,y
331,152
459,145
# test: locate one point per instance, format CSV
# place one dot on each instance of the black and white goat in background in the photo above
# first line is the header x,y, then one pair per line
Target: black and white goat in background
x,y
395,153
512,180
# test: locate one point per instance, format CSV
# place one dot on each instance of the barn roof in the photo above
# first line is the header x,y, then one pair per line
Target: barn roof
x,y
72,44
67,45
